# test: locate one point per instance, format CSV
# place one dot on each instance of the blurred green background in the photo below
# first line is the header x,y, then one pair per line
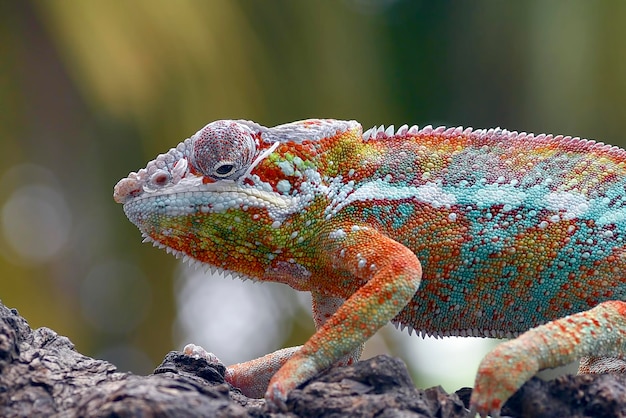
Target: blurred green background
x,y
90,90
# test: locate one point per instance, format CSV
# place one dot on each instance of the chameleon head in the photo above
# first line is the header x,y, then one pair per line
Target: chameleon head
x,y
222,150
223,194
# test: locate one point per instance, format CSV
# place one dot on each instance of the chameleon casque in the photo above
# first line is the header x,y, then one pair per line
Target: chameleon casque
x,y
444,231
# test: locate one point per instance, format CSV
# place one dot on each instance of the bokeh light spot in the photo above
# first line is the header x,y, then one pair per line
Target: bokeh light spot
x,y
236,321
36,223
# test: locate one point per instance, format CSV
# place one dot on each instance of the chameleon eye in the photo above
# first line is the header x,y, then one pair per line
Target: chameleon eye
x,y
224,169
223,150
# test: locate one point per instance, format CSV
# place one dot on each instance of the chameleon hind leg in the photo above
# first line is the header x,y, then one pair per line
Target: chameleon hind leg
x,y
599,334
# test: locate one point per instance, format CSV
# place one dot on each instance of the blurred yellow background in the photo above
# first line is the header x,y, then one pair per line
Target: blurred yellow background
x,y
90,90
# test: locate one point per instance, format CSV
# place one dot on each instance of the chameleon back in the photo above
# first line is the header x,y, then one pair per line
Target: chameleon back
x,y
517,229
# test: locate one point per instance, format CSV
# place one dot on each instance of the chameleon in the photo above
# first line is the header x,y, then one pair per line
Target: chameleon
x,y
442,231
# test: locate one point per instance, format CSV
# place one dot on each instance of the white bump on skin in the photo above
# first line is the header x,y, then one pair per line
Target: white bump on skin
x,y
337,234
362,262
283,186
286,167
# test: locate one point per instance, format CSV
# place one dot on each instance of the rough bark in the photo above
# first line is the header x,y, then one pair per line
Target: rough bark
x,y
41,374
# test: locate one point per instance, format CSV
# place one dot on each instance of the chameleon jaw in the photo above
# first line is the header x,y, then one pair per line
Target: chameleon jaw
x,y
191,196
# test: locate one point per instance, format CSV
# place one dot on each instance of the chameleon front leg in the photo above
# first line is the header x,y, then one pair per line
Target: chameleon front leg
x,y
390,275
252,377
324,307
598,332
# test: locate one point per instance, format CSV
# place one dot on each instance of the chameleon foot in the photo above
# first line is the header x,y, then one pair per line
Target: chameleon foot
x,y
500,374
199,352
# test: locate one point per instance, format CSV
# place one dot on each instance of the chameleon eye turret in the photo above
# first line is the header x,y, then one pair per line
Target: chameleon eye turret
x,y
223,150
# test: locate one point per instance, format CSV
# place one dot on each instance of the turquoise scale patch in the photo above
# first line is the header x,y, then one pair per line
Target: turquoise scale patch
x,y
404,212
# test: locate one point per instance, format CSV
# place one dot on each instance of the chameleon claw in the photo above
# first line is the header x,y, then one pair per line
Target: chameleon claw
x,y
483,409
483,413
276,397
199,352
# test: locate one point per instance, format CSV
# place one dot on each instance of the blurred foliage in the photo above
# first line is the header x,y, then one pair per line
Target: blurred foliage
x,y
90,90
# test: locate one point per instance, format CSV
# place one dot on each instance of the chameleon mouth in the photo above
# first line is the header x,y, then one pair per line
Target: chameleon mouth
x,y
130,189
191,196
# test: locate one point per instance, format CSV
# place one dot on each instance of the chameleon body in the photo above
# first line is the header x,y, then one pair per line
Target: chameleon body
x,y
444,231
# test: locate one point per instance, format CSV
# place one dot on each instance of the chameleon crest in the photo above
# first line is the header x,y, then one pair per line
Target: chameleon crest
x,y
445,231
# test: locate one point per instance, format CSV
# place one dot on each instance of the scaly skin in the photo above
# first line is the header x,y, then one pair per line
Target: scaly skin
x,y
444,231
